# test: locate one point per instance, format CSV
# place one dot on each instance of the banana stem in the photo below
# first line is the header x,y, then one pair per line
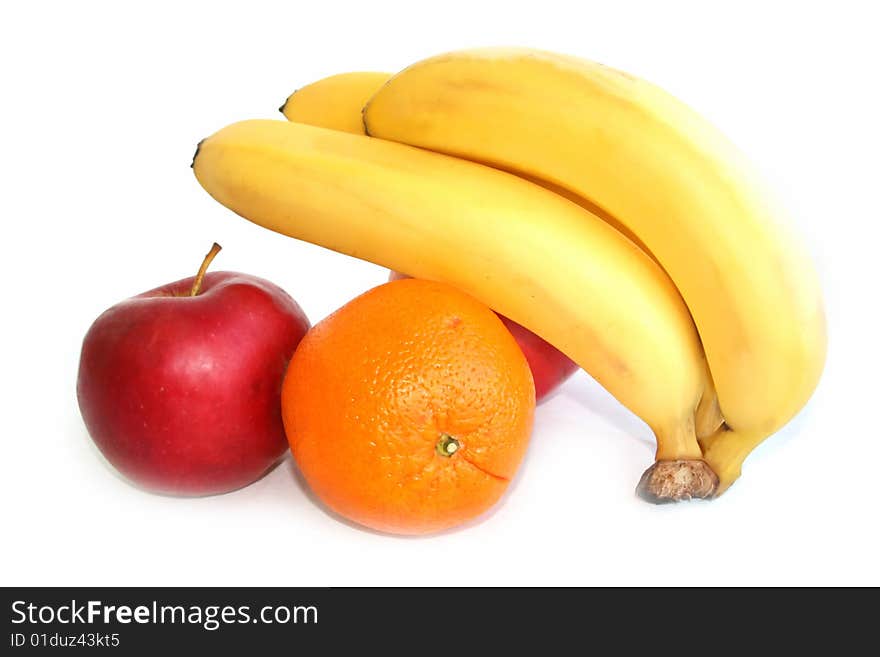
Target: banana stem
x,y
726,450
708,418
675,481
679,473
679,442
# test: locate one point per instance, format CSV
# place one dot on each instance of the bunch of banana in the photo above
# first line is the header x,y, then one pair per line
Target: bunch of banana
x,y
585,204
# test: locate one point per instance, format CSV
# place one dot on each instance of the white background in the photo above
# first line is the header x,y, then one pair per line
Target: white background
x,y
103,105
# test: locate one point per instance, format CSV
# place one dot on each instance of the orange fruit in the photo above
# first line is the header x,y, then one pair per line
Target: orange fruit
x,y
409,409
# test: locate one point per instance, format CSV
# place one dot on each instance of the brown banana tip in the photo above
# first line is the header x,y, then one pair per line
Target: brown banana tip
x,y
196,154
676,481
283,105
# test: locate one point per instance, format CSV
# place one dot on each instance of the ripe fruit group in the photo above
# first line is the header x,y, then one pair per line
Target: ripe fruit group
x,y
180,391
409,409
550,367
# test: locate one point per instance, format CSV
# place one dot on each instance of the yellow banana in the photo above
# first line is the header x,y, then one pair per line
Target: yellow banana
x,y
532,255
665,174
335,102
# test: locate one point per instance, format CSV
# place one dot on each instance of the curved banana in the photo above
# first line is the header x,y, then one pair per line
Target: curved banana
x,y
668,176
537,258
335,102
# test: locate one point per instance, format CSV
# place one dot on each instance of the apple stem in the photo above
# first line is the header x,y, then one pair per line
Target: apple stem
x,y
197,283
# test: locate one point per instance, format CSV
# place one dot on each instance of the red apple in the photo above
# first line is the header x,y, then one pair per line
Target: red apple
x,y
179,387
550,367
